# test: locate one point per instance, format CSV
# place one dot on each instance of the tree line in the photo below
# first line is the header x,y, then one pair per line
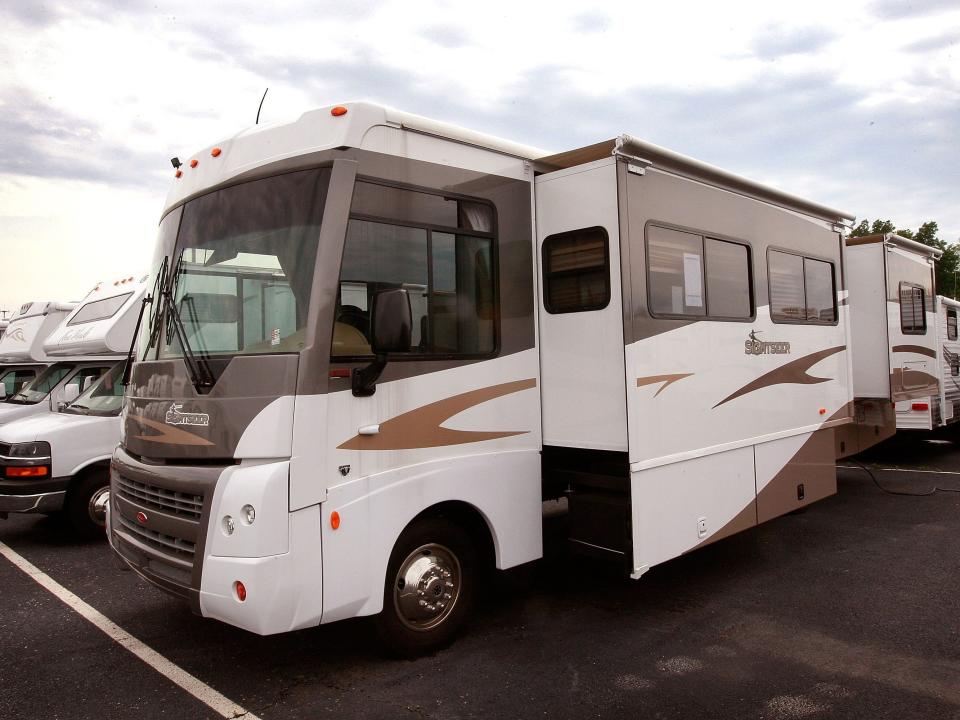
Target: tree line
x,y
948,266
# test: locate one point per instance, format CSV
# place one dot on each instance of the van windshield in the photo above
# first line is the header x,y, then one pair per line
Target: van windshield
x,y
38,388
241,269
104,397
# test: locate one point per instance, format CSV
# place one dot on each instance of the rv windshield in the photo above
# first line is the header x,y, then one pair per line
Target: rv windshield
x,y
103,397
38,388
241,268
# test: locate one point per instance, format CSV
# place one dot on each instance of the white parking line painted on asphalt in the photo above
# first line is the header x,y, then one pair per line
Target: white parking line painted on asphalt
x,y
177,675
881,469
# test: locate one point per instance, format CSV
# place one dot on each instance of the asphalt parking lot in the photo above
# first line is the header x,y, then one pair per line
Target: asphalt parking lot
x,y
848,610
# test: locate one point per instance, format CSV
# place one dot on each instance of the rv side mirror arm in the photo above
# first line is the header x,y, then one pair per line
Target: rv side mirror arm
x,y
363,380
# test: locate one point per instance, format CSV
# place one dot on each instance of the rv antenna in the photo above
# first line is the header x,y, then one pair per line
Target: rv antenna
x,y
261,107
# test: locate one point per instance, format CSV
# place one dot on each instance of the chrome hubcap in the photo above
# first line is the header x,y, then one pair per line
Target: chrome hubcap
x,y
97,507
427,587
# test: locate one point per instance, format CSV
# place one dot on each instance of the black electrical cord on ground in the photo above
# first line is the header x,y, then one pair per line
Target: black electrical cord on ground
x,y
876,482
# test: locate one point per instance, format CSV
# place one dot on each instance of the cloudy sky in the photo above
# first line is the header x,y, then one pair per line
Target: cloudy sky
x,y
852,104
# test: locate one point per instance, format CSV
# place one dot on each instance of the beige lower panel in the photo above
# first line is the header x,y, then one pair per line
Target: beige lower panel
x,y
812,466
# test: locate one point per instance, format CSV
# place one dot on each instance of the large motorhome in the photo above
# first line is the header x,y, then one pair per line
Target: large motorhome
x,y
890,285
942,408
60,460
378,342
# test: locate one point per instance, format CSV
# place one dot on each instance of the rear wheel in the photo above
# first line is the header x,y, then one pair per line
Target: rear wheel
x,y
430,587
86,504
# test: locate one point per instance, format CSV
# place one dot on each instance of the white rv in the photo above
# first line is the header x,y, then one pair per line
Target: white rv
x,y
890,284
942,408
54,461
378,341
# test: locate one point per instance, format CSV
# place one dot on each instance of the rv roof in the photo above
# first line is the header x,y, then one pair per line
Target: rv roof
x,y
650,155
897,240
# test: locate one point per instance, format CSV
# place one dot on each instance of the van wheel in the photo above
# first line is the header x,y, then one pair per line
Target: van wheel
x,y
87,503
430,587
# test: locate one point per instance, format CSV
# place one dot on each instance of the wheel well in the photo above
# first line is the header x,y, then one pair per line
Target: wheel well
x,y
470,519
101,466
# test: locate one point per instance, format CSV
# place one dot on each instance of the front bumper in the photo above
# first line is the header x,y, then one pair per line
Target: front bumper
x,y
39,495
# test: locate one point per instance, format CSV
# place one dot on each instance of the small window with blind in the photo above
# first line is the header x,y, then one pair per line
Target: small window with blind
x,y
802,289
951,325
576,271
913,319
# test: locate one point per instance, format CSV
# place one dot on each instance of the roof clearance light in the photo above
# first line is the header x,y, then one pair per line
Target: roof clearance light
x,y
920,407
823,411
338,111
178,173
240,590
335,520
216,152
194,163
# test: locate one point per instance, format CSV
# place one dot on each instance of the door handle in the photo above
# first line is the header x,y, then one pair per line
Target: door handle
x,y
369,429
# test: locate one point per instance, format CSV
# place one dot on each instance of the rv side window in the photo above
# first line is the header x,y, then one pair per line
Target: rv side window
x,y
576,271
952,325
693,275
802,289
99,309
820,292
913,319
440,249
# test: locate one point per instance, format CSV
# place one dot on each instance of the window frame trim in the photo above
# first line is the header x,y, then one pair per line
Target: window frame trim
x,y
833,270
493,237
923,306
606,267
706,293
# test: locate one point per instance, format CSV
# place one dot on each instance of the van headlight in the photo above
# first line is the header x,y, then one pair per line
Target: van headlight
x,y
30,450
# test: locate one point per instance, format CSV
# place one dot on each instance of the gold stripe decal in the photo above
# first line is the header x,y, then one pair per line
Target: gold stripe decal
x,y
918,349
664,380
169,435
793,373
421,427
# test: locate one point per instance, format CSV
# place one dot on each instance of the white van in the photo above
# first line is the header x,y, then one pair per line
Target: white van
x,y
55,461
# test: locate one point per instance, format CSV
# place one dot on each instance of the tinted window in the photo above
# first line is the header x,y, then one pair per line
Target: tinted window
x,y
728,279
913,319
14,380
448,273
820,292
675,262
38,388
576,271
951,325
99,309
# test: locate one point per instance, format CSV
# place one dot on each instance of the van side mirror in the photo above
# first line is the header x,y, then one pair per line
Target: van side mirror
x,y
71,392
391,326
3,391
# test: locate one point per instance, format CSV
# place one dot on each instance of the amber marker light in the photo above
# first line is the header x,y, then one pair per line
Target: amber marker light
x,y
178,173
335,520
194,163
338,111
22,472
823,411
216,152
240,590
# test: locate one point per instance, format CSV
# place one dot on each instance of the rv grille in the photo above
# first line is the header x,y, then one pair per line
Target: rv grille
x,y
167,544
177,503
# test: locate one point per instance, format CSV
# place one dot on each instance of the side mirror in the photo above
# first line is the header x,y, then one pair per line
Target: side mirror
x,y
3,391
71,392
391,326
391,322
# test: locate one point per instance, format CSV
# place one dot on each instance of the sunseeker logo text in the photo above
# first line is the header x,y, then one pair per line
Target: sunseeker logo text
x,y
175,417
756,346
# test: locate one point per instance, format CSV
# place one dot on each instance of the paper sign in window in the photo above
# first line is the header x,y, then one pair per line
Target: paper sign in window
x,y
692,280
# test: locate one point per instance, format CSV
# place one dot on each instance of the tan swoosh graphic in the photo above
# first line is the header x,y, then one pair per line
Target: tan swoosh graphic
x,y
918,349
793,373
421,427
169,435
666,380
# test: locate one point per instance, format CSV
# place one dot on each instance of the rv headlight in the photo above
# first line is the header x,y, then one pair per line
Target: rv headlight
x,y
30,450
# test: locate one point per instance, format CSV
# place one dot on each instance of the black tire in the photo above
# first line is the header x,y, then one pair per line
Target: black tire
x,y
438,540
77,506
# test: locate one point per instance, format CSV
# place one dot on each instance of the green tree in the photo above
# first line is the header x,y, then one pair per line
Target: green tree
x,y
948,266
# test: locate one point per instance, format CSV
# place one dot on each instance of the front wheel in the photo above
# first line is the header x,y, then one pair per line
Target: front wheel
x,y
87,503
429,588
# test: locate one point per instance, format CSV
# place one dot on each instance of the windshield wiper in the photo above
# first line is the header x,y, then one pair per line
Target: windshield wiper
x,y
199,370
127,369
